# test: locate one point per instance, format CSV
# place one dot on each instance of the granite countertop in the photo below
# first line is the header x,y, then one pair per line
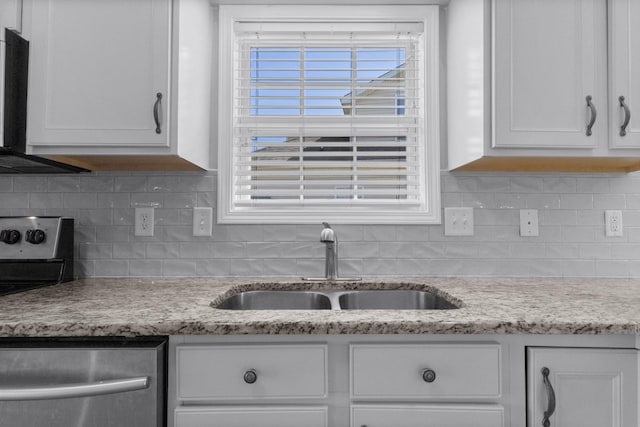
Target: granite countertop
x,y
182,306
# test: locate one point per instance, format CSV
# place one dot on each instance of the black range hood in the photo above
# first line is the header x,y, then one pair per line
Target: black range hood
x,y
13,157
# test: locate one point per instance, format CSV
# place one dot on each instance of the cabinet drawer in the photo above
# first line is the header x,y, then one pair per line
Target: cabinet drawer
x,y
225,372
251,417
462,371
431,415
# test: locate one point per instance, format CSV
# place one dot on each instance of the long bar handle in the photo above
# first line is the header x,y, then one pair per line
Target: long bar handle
x,y
593,114
74,390
551,398
627,116
156,112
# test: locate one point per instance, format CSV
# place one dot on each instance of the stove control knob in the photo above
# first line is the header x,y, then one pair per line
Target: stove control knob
x,y
35,237
10,237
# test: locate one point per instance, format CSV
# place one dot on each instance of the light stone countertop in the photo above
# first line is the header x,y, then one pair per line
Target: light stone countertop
x,y
182,306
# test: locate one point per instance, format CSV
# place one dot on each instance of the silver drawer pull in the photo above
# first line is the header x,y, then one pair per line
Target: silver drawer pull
x,y
627,116
75,390
429,375
250,376
551,396
594,113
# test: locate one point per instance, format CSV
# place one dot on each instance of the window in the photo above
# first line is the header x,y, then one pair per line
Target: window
x,y
327,117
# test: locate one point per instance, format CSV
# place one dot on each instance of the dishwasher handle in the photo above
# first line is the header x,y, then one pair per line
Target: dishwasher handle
x,y
74,390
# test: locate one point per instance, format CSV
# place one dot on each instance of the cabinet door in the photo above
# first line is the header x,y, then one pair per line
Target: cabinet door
x,y
592,387
427,416
96,70
624,63
549,55
251,417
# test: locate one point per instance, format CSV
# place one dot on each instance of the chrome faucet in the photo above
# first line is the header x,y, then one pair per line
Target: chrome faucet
x,y
330,238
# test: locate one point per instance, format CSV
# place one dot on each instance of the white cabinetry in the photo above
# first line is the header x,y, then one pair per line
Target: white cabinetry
x,y
108,78
209,378
586,387
427,415
530,87
624,61
548,58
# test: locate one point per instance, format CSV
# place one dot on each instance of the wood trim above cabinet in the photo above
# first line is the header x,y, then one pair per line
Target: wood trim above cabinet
x,y
553,164
129,163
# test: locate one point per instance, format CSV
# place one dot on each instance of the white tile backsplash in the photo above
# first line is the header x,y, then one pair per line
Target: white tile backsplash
x,y
571,243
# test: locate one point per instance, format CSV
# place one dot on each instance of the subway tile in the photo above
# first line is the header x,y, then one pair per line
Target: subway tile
x,y
595,251
163,250
180,200
593,185
526,184
542,201
113,200
25,184
279,267
145,267
246,267
128,250
557,217
93,216
177,268
6,184
112,233
559,184
576,201
14,200
45,200
80,200
212,267
612,268
609,201
131,184
63,184
111,268
195,250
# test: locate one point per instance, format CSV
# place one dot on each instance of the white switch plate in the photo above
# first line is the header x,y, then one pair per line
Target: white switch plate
x,y
458,221
202,221
529,222
143,222
613,223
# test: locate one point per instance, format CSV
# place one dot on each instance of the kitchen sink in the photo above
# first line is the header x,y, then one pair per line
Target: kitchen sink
x,y
277,300
393,300
379,299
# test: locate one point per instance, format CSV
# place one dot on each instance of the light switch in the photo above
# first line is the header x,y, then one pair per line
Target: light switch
x,y
458,221
202,221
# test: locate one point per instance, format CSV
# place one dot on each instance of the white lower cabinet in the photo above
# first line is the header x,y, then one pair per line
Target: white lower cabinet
x,y
490,380
251,417
427,416
582,387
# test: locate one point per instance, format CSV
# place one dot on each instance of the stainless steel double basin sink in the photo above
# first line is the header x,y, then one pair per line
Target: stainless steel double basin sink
x,y
337,299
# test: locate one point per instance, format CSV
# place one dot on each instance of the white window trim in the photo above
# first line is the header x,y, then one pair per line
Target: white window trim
x,y
428,214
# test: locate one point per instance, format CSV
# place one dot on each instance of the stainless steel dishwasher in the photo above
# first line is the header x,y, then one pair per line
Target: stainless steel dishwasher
x,y
115,382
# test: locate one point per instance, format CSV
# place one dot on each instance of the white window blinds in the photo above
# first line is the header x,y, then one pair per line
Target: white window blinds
x,y
328,116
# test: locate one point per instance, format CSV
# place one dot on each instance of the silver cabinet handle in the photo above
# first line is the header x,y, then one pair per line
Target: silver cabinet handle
x,y
75,390
156,112
250,376
429,375
593,114
551,396
627,116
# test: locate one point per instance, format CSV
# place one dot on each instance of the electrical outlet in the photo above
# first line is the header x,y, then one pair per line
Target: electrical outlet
x,y
202,221
458,221
529,222
143,222
613,223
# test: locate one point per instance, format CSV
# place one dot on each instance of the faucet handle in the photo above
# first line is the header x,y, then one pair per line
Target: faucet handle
x,y
327,234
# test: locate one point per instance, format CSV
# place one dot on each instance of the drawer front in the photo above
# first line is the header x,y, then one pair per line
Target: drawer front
x,y
428,415
231,372
462,371
251,417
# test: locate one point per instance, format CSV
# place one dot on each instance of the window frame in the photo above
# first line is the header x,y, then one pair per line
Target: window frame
x,y
429,212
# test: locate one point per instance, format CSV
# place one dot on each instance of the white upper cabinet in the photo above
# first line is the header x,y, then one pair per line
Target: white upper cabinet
x,y
548,59
534,85
99,73
624,63
120,84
